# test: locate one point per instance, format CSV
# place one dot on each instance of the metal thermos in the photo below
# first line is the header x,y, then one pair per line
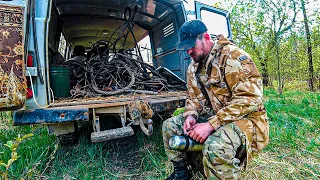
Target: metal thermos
x,y
184,143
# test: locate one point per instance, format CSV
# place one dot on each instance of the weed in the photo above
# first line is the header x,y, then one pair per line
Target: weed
x,y
13,146
33,153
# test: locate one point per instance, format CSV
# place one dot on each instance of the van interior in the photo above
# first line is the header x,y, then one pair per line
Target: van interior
x,y
97,41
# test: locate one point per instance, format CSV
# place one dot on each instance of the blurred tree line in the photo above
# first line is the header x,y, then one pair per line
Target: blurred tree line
x,y
283,38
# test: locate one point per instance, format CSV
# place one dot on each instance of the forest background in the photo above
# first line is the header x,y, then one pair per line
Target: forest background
x,y
282,36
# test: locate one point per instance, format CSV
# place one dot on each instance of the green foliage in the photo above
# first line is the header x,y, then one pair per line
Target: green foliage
x,y
178,111
33,153
255,30
12,145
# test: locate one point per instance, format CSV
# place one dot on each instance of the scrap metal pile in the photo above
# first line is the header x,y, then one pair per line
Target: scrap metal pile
x,y
117,72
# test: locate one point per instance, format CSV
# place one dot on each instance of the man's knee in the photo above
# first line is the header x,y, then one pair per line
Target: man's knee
x,y
167,124
222,145
216,150
174,123
219,154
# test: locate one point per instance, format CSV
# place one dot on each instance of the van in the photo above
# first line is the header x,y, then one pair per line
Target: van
x,y
38,39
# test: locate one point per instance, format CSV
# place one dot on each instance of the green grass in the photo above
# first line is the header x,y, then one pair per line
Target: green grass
x,y
293,151
128,158
34,153
294,148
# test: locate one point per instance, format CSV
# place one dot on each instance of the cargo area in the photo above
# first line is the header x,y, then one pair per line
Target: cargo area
x,y
95,70
93,51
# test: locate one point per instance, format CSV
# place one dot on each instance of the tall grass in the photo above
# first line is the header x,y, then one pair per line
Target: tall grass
x,y
293,151
294,148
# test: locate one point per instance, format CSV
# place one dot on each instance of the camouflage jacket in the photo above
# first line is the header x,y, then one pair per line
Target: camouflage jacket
x,y
234,88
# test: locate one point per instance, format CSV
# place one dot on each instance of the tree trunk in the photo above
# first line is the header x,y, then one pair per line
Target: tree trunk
x,y
264,67
280,85
311,78
265,74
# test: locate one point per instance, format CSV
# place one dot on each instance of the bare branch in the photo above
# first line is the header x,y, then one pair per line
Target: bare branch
x,y
292,21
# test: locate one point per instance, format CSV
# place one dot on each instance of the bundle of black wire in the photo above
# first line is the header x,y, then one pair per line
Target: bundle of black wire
x,y
121,71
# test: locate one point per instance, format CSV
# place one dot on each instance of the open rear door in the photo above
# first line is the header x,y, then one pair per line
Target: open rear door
x,y
13,18
216,20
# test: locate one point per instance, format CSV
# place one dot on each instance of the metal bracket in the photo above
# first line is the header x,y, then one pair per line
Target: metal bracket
x,y
120,110
98,135
96,121
148,131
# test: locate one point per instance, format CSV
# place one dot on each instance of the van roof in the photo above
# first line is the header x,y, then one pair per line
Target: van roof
x,y
87,21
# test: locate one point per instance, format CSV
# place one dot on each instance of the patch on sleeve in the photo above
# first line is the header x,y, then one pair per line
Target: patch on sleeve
x,y
242,58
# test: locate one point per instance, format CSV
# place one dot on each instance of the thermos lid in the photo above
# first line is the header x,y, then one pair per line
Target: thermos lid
x,y
177,142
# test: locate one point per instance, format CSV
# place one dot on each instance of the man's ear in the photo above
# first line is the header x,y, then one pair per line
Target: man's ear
x,y
207,36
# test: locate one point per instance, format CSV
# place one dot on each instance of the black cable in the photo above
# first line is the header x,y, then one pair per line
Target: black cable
x,y
121,70
96,89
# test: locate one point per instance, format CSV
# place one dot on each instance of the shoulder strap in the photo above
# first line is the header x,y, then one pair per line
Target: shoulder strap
x,y
202,88
223,64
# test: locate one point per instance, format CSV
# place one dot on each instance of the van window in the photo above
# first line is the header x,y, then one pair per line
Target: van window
x,y
62,45
68,51
216,23
145,49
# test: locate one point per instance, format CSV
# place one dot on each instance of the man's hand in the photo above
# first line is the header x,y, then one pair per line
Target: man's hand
x,y
188,123
201,131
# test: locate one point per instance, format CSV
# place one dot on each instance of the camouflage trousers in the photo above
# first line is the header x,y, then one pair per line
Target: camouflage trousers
x,y
220,150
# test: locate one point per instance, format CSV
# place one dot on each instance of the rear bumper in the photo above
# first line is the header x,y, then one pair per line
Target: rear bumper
x,y
47,116
63,113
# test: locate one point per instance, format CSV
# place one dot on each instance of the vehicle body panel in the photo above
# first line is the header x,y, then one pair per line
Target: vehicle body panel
x,y
12,57
50,115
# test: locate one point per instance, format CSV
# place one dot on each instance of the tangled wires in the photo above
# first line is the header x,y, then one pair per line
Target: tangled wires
x,y
120,71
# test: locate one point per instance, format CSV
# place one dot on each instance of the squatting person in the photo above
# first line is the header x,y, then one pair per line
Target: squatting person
x,y
224,107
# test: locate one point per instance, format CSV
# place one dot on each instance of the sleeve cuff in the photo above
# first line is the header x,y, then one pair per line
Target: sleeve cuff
x,y
214,121
191,113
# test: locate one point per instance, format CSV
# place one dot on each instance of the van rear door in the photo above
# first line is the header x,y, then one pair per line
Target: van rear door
x,y
216,20
13,85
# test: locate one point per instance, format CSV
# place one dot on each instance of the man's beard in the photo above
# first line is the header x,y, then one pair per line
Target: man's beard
x,y
199,58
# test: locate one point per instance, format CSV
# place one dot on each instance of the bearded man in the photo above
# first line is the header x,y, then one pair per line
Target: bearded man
x,y
224,108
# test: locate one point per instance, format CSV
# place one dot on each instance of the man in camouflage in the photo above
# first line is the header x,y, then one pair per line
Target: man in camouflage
x,y
225,87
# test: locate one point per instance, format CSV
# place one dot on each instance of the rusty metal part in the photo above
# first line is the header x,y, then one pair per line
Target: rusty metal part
x,y
100,135
147,111
141,91
120,110
108,70
140,109
142,113
50,115
159,103
148,131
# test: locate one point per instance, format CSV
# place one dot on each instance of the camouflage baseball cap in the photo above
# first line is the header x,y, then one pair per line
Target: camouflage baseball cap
x,y
189,32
